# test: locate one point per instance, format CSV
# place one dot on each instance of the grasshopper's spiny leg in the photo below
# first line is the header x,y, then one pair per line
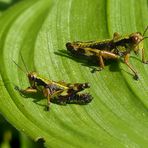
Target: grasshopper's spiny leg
x,y
106,55
101,61
126,60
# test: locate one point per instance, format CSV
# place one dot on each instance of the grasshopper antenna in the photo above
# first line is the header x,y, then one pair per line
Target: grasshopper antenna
x,y
18,66
24,63
144,38
145,31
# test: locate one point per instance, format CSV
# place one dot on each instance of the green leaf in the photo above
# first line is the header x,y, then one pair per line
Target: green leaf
x,y
117,116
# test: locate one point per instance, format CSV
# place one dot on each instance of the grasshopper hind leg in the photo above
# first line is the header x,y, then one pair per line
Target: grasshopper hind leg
x,y
105,55
101,63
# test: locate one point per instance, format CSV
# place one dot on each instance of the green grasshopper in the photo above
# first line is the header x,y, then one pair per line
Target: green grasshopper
x,y
118,47
59,92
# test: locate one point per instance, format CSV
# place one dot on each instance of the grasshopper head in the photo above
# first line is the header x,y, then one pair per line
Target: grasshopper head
x,y
32,77
71,47
136,39
74,48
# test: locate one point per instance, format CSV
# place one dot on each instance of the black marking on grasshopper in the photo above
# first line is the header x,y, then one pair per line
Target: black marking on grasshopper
x,y
122,42
56,91
80,99
118,47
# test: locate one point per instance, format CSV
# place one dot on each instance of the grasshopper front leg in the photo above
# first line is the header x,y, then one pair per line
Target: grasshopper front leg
x,y
27,90
143,57
126,60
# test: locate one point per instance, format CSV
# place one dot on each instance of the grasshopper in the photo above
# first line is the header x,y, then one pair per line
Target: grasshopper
x,y
59,92
116,48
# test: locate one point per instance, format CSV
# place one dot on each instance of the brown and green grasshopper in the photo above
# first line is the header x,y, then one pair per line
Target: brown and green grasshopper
x,y
118,47
59,92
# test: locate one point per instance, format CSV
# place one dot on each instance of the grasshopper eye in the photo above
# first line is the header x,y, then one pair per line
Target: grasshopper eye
x,y
135,39
69,46
31,77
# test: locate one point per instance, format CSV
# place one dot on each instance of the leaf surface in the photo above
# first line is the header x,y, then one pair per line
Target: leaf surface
x,y
39,30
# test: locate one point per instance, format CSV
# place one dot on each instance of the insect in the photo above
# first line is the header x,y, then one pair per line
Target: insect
x,y
116,48
59,92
